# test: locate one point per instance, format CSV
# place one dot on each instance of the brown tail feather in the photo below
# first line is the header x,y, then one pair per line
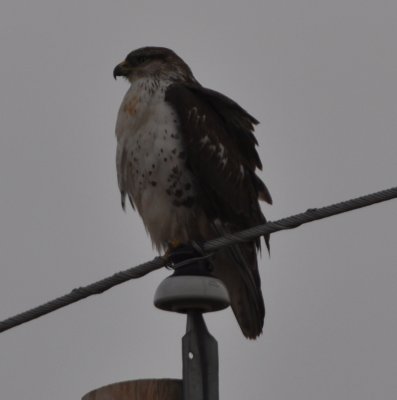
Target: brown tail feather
x,y
238,268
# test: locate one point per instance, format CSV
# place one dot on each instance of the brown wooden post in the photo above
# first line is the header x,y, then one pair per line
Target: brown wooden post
x,y
144,389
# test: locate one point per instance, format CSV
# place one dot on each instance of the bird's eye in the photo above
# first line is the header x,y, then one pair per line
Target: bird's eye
x,y
136,59
141,59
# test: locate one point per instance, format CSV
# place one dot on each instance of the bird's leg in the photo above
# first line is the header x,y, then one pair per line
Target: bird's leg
x,y
173,245
188,258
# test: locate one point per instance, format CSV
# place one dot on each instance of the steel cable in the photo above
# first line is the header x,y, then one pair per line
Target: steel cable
x,y
208,247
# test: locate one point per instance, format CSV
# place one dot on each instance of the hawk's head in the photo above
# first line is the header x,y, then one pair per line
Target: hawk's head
x,y
154,62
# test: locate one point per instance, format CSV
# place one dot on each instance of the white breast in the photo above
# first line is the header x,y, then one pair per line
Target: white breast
x,y
151,164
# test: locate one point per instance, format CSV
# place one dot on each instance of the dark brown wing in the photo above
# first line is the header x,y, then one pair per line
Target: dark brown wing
x,y
220,146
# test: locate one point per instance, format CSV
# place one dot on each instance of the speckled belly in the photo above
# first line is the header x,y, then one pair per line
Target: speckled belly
x,y
156,178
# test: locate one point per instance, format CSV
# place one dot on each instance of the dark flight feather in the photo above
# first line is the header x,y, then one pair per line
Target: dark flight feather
x,y
218,137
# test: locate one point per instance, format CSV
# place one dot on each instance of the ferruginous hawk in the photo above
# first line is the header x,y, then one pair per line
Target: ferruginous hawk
x,y
186,160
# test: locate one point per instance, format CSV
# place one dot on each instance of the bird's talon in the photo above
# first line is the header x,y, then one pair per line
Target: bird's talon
x,y
172,246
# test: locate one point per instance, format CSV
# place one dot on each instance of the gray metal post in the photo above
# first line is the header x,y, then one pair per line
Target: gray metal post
x,y
200,360
193,291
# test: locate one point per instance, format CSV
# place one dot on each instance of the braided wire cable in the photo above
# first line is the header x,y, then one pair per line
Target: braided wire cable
x,y
312,214
208,247
83,292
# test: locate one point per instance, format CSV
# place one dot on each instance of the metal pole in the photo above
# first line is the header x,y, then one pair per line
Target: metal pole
x,y
200,360
192,290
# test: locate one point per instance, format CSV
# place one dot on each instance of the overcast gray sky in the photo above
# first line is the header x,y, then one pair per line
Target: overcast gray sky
x,y
321,78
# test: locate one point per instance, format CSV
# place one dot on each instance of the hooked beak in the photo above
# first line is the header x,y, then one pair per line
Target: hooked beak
x,y
122,69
